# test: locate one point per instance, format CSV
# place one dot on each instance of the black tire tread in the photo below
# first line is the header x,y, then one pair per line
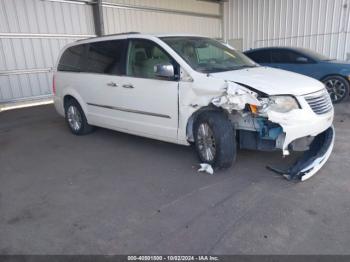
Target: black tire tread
x,y
224,135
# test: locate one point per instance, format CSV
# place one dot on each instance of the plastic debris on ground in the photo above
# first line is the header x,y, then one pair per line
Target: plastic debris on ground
x,y
206,168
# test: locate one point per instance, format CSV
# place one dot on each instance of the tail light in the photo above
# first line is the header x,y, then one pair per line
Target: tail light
x,y
53,85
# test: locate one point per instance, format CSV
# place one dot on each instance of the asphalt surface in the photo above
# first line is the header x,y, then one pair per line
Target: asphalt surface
x,y
113,193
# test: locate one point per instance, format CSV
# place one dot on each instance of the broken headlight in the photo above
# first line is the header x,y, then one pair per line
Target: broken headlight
x,y
280,104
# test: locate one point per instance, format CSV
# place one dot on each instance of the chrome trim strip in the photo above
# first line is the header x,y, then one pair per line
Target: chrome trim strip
x,y
35,35
161,10
25,71
316,92
130,110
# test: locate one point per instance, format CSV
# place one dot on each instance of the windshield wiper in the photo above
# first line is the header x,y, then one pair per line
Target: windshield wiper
x,y
221,69
245,66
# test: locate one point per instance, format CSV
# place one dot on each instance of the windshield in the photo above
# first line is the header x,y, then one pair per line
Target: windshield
x,y
207,55
314,55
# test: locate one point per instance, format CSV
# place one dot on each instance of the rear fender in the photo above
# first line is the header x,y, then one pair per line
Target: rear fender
x,y
72,92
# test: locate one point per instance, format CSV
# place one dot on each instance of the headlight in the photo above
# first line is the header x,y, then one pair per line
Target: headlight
x,y
282,104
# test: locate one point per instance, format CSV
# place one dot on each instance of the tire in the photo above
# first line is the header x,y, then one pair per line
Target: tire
x,y
76,119
337,87
221,136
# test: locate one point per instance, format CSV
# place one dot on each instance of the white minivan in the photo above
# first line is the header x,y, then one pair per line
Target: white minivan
x,y
189,89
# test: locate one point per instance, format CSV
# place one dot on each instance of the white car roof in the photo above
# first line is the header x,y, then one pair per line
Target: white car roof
x,y
179,35
129,34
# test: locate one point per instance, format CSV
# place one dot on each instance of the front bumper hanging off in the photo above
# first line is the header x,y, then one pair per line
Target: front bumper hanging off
x,y
313,159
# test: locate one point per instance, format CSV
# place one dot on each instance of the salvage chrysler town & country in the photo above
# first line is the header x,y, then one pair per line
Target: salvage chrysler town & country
x,y
189,89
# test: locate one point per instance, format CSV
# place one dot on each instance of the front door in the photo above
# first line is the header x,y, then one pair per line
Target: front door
x,y
147,104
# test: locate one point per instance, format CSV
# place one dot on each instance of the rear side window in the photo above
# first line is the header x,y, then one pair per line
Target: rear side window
x,y
71,59
263,56
281,56
288,57
106,57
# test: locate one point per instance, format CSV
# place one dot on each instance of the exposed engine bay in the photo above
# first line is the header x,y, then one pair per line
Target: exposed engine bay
x,y
260,127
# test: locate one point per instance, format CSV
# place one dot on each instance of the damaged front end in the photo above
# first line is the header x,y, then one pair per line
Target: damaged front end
x,y
281,122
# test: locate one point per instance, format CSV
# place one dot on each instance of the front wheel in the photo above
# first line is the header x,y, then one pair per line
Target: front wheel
x,y
337,87
215,139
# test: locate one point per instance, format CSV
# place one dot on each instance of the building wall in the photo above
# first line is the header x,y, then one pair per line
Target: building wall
x,y
321,25
163,16
32,33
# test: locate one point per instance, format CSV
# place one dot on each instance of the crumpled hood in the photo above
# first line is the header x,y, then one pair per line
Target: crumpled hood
x,y
272,81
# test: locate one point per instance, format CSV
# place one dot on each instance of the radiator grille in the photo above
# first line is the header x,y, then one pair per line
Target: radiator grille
x,y
320,102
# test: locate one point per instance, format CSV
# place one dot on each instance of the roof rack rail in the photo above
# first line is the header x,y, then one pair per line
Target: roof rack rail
x,y
124,33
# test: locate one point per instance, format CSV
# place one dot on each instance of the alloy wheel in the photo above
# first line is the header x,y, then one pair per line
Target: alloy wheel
x,y
206,142
74,118
336,89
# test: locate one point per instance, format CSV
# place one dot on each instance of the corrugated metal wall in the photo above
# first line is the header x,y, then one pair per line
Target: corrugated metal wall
x,y
162,16
32,33
321,25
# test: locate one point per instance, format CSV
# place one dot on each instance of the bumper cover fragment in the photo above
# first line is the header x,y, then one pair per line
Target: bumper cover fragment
x,y
312,160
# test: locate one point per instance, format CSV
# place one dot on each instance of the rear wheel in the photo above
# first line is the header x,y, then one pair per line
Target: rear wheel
x,y
76,119
215,139
337,87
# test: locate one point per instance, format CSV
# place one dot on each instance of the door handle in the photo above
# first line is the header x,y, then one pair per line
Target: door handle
x,y
112,84
128,86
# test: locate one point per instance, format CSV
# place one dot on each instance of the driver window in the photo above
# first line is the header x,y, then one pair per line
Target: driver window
x,y
143,55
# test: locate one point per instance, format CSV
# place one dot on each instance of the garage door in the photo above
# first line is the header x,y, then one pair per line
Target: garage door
x,y
32,32
163,16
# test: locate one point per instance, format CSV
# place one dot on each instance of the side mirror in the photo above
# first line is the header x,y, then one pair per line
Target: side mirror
x,y
164,70
302,60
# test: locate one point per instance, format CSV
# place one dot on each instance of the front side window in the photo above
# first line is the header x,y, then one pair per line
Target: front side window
x,y
71,60
143,55
106,57
207,55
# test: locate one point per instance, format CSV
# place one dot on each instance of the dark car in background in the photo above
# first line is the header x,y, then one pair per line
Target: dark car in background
x,y
335,74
